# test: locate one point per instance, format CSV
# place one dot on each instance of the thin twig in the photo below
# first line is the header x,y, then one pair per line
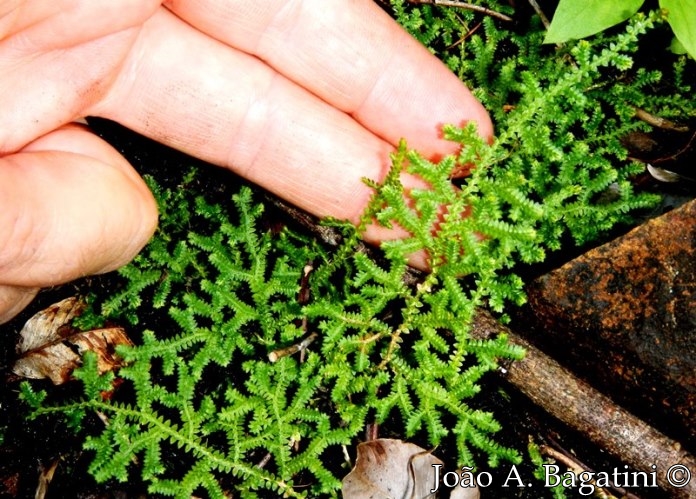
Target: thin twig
x,y
575,467
292,349
540,13
346,456
560,454
45,478
467,35
371,432
331,236
266,459
467,6
659,122
304,293
678,153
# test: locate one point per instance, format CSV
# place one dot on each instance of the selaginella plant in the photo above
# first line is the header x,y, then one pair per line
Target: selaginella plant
x,y
203,408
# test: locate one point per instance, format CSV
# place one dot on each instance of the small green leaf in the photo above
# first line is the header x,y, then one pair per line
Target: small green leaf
x,y
680,15
576,19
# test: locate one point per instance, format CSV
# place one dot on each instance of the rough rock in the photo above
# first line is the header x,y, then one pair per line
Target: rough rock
x,y
623,316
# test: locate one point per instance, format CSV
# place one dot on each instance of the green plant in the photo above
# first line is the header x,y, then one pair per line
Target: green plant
x,y
506,66
560,119
208,409
209,389
575,19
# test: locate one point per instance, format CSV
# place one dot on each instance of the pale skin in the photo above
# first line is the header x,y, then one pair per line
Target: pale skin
x,y
303,97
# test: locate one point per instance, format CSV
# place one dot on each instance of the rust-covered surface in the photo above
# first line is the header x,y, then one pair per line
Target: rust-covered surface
x,y
623,315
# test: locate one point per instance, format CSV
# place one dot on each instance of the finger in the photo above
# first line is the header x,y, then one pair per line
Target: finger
x,y
229,108
351,55
70,206
58,25
57,58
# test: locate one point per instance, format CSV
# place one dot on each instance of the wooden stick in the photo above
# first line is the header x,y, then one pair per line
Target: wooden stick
x,y
658,121
578,467
275,355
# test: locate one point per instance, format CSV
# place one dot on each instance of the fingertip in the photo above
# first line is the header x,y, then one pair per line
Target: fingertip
x,y
133,194
72,206
145,224
484,124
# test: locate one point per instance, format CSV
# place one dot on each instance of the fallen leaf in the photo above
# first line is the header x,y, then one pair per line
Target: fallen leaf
x,y
665,175
391,469
47,325
51,348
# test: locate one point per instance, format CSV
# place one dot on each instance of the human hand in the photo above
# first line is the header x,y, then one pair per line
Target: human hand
x,y
278,91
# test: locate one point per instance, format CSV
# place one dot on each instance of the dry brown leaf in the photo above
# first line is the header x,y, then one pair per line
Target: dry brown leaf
x,y
49,324
45,478
51,348
391,469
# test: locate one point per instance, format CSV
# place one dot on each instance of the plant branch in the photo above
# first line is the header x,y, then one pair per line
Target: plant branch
x,y
463,5
658,121
574,402
275,355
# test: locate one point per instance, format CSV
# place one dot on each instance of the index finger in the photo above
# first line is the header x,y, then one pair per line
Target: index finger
x,y
349,55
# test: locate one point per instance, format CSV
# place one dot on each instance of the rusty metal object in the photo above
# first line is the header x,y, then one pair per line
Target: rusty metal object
x,y
623,316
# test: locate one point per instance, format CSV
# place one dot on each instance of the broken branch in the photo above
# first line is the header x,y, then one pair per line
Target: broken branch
x,y
658,121
463,5
292,349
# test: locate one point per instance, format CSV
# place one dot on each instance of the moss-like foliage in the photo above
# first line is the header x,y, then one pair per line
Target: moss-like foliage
x,y
203,409
203,386
560,112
